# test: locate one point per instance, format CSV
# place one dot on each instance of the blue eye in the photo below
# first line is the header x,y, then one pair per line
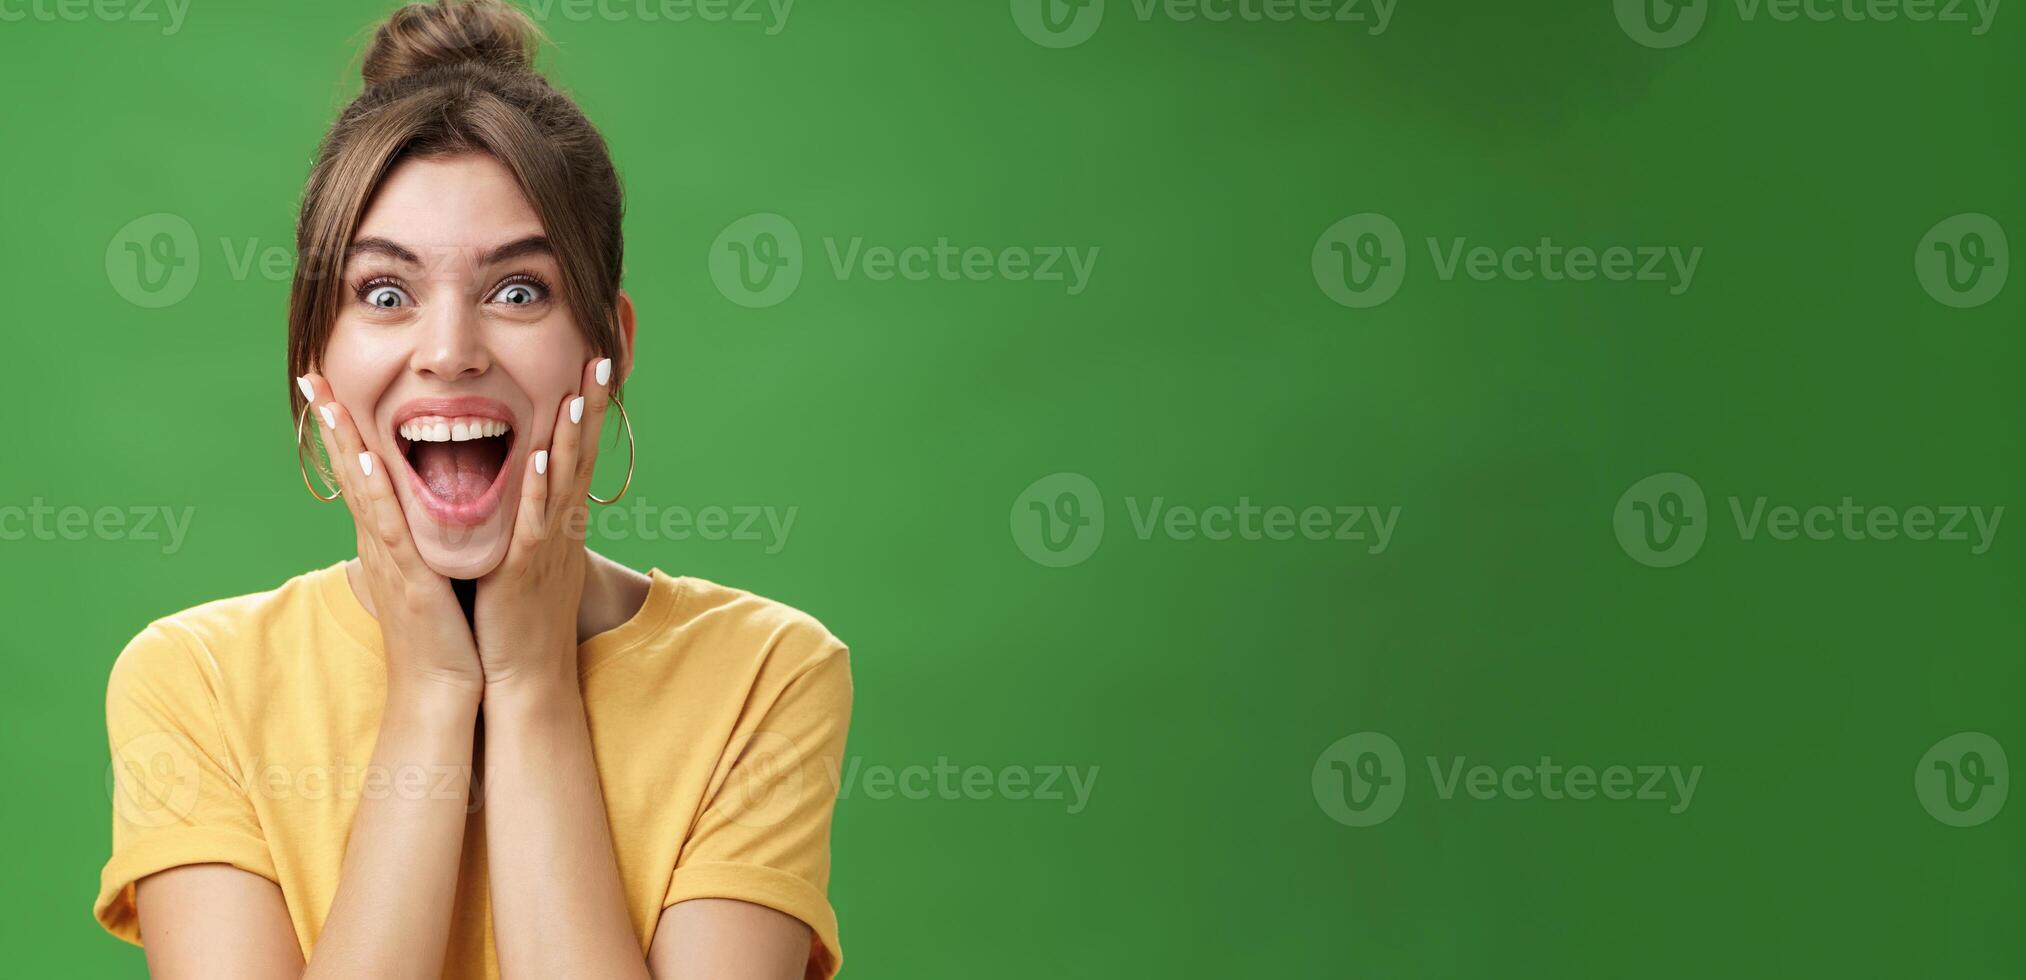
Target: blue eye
x,y
386,297
520,292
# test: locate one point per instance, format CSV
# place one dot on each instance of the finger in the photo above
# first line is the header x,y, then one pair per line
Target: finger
x,y
597,391
369,487
575,450
563,444
531,520
389,522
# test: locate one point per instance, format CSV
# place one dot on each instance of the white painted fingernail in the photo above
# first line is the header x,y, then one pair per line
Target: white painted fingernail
x,y
330,417
366,463
542,461
604,371
309,394
577,409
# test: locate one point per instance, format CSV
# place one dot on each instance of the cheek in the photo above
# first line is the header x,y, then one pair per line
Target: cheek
x,y
360,367
549,368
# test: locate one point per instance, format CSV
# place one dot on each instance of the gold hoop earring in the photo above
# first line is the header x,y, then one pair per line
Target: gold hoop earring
x,y
628,423
301,467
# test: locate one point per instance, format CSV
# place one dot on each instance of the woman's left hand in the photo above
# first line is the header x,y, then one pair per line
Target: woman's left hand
x,y
525,611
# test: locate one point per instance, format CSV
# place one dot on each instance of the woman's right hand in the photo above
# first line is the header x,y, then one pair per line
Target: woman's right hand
x,y
429,642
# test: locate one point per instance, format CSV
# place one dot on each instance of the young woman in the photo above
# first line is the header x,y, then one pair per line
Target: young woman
x,y
477,749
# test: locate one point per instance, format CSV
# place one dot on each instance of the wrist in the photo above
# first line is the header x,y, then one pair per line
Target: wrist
x,y
414,675
538,691
429,701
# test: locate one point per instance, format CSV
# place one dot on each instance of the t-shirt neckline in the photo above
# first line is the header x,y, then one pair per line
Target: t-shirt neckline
x,y
663,591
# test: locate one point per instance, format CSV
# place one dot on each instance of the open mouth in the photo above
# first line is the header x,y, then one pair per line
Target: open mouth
x,y
457,462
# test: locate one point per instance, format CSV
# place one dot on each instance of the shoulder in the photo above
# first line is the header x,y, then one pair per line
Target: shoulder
x,y
718,638
770,628
206,641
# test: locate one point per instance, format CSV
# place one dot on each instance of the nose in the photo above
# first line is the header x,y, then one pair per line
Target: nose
x,y
450,344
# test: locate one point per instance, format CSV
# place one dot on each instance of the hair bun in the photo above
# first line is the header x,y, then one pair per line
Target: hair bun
x,y
422,36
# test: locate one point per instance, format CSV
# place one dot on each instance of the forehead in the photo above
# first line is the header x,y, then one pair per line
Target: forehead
x,y
469,200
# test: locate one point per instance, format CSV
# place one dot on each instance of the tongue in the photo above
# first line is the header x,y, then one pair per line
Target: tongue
x,y
457,471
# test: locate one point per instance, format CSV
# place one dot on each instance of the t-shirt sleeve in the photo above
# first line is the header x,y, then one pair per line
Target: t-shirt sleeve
x,y
764,835
176,793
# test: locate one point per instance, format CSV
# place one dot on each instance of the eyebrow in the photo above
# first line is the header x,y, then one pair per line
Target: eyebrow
x,y
381,246
530,245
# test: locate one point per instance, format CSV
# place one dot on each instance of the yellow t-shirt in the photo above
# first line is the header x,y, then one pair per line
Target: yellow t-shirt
x,y
242,730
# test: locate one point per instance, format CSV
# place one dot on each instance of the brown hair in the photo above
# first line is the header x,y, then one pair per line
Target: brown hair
x,y
457,76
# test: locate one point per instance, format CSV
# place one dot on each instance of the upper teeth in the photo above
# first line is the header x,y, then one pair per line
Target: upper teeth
x,y
438,428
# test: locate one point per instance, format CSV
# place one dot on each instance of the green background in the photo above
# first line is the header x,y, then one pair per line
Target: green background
x,y
1202,364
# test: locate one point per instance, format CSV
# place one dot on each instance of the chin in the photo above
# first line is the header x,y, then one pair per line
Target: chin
x,y
460,553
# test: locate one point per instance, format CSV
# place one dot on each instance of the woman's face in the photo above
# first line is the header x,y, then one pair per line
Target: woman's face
x,y
453,351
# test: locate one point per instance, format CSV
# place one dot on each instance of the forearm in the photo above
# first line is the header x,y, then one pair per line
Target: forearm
x,y
391,914
557,905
